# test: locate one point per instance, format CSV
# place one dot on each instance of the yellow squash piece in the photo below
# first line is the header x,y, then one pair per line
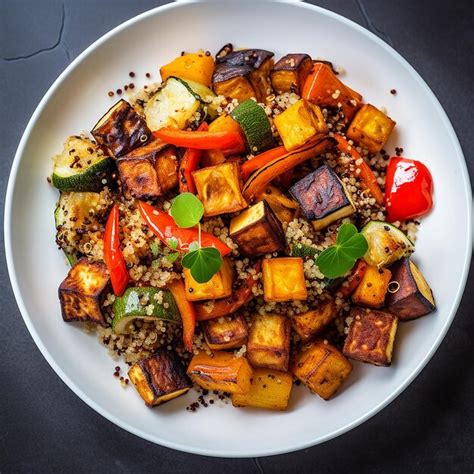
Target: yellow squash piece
x,y
373,287
226,332
283,279
197,67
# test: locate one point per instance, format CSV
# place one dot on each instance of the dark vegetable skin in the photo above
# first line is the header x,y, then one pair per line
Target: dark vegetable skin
x,y
290,72
239,63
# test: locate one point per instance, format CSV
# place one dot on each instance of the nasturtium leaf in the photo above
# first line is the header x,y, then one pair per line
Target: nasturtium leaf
x,y
204,263
187,210
345,232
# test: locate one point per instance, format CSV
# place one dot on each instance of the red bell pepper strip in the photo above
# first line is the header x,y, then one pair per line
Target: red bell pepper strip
x,y
188,164
165,228
353,280
253,164
113,255
408,189
202,140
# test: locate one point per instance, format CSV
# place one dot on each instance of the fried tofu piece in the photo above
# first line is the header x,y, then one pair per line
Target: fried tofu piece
x,y
283,279
226,332
290,72
321,367
371,336
373,287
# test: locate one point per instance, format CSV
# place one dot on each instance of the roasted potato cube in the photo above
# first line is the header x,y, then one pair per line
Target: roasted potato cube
x,y
226,332
238,87
412,297
290,72
308,324
121,130
269,341
159,378
370,128
269,389
219,286
323,197
371,336
282,206
300,122
321,367
373,287
197,67
83,291
219,190
221,371
283,279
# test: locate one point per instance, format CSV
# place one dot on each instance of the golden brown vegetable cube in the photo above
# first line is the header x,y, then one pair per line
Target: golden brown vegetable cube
x,y
321,367
370,128
371,336
283,279
238,87
300,122
269,389
226,332
83,291
290,72
373,287
221,371
219,286
159,378
308,324
269,341
282,206
219,190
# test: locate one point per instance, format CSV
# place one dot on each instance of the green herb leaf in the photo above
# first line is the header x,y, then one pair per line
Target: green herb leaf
x,y
155,248
172,243
187,210
172,257
204,263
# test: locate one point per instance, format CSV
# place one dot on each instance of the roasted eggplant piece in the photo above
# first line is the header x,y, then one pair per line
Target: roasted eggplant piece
x,y
371,336
282,206
373,287
257,231
159,378
323,198
290,72
283,279
411,297
121,130
83,291
227,332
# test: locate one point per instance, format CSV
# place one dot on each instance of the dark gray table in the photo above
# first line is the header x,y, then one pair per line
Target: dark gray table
x,y
44,427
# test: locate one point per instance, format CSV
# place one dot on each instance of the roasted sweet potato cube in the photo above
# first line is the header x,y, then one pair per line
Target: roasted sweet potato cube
x,y
269,341
260,80
290,72
83,291
373,287
269,389
159,378
321,367
121,130
221,371
197,67
283,279
219,190
238,87
371,335
323,197
370,128
226,332
412,297
308,324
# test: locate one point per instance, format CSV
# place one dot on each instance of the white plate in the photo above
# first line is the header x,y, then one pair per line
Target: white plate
x,y
79,97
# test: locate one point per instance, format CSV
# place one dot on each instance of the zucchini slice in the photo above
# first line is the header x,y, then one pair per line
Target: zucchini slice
x,y
387,243
75,209
304,251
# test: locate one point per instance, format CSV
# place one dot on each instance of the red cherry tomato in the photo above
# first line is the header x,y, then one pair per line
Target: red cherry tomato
x,y
408,189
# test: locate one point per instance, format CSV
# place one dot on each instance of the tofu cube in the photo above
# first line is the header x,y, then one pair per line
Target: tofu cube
x,y
321,367
371,336
370,128
226,332
283,279
290,72
269,341
323,198
373,287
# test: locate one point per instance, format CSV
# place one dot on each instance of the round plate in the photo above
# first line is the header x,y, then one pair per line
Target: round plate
x,y
79,98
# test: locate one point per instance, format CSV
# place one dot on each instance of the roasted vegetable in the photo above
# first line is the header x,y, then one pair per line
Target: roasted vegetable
x,y
189,163
304,251
283,279
323,197
371,335
269,341
83,290
196,67
226,332
321,367
221,371
257,231
353,280
253,164
373,287
290,72
411,296
121,130
282,206
159,378
269,389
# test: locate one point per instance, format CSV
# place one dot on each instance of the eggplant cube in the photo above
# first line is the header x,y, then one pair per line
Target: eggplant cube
x,y
219,190
373,287
321,367
159,378
371,336
283,279
323,198
269,342
290,72
226,332
83,291
258,231
121,129
414,297
300,122
370,128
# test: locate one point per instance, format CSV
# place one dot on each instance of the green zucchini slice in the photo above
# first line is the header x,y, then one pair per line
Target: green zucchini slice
x,y
304,251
